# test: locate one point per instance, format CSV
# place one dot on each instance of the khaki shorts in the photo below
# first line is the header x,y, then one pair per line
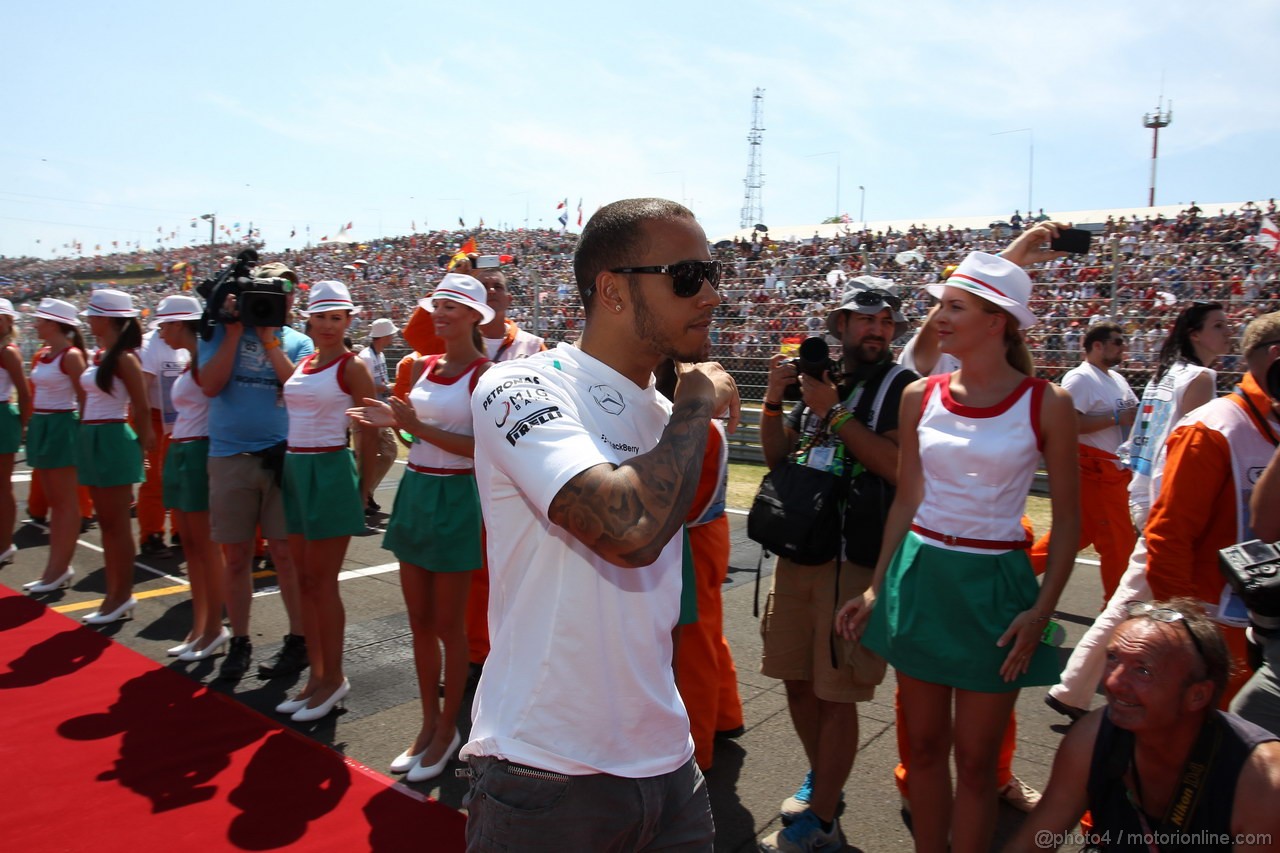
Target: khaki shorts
x,y
797,632
243,496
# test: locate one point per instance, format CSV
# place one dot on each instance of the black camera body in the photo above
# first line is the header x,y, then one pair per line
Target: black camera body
x,y
812,359
259,301
1273,380
264,301
1253,571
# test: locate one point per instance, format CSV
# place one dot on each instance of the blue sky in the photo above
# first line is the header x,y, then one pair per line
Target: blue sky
x,y
129,116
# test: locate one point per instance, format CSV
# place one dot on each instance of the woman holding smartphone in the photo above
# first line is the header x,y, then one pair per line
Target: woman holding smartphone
x,y
954,606
53,432
435,524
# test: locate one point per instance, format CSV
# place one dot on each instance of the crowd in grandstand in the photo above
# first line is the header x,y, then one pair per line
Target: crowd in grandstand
x,y
1139,271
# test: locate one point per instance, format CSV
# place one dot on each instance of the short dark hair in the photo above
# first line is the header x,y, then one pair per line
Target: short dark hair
x,y
1100,333
1213,653
612,238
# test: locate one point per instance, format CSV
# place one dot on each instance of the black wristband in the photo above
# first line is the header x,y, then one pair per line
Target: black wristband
x,y
772,407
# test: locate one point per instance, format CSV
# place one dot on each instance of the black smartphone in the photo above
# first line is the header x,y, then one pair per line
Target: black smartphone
x,y
1074,240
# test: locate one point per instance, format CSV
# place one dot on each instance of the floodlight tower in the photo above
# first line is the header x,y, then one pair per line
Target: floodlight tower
x,y
1156,120
752,209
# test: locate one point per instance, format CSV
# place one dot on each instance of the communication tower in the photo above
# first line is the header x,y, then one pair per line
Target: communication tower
x,y
1154,121
752,209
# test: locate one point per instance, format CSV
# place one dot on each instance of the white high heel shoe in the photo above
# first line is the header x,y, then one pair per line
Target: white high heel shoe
x,y
62,582
9,553
307,715
292,706
406,760
176,651
97,617
418,773
193,653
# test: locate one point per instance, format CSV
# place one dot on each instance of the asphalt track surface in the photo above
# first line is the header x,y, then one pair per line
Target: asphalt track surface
x,y
750,777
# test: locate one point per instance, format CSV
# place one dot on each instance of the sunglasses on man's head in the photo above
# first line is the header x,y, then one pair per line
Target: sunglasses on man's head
x,y
686,276
1167,615
875,296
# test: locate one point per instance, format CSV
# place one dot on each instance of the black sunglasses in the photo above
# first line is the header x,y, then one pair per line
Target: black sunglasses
x,y
875,296
1165,614
686,276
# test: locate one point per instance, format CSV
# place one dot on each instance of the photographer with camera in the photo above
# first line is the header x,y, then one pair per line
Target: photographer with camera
x,y
1203,505
847,418
1259,700
243,370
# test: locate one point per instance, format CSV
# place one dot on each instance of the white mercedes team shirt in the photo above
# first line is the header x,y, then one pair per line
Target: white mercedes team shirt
x,y
579,677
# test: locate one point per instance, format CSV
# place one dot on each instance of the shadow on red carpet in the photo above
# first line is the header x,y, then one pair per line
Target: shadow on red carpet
x,y
105,750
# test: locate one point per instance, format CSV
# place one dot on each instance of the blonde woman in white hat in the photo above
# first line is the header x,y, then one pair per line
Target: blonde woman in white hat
x,y
13,422
109,457
954,606
435,523
322,504
52,433
186,483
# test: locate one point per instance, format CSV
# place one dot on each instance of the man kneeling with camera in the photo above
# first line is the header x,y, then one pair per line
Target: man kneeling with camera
x,y
1159,767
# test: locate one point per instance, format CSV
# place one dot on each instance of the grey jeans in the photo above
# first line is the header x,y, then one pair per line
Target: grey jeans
x,y
513,807
1259,700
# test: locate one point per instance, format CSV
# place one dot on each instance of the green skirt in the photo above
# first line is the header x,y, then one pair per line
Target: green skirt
x,y
109,455
940,612
10,428
435,522
185,484
52,439
322,495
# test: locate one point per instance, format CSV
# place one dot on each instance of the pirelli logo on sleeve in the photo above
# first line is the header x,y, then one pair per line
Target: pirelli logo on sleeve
x,y
521,427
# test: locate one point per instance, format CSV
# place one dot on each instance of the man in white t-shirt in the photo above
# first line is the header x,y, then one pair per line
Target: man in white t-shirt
x,y
585,474
381,332
503,341
1105,405
161,365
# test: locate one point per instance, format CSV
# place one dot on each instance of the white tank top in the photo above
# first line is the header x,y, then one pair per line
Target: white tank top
x,y
53,391
192,407
446,404
978,463
6,381
317,403
100,405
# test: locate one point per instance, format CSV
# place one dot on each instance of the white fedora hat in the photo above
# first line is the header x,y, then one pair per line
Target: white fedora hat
x,y
381,328
462,289
57,310
110,303
330,296
867,294
176,308
995,279
6,307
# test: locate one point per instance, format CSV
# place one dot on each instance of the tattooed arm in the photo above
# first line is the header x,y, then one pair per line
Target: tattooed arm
x,y
627,514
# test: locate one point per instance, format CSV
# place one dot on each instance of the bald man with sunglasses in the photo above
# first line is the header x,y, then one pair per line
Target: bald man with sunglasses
x,y
585,476
1158,767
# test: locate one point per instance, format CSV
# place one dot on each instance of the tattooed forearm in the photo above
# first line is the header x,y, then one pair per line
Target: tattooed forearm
x,y
629,513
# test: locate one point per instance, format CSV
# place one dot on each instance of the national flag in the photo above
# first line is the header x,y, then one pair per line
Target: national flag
x,y
481,222
1268,236
413,225
343,231
579,211
292,232
461,224
467,248
563,207
189,283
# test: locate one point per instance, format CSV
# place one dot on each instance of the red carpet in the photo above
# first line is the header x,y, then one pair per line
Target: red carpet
x,y
101,749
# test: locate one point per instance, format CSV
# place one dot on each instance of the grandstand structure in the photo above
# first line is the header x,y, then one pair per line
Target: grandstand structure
x,y
779,286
